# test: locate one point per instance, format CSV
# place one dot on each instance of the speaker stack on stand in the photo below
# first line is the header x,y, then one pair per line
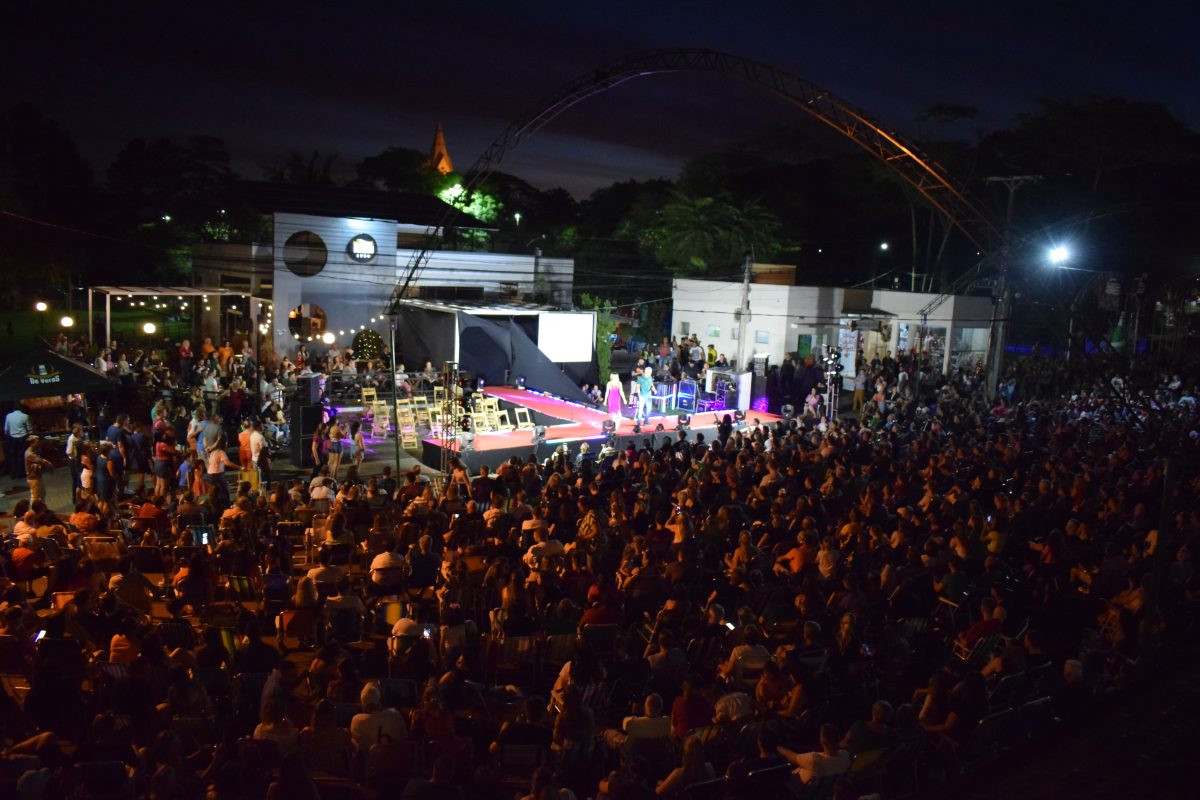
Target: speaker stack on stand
x,y
306,416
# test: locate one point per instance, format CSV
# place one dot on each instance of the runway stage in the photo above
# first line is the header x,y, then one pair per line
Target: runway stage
x,y
567,423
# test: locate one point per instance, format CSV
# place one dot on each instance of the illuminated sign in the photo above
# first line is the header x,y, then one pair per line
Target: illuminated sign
x,y
361,249
43,375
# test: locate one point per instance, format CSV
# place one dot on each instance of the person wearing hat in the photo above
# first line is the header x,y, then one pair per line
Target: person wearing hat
x,y
34,465
376,722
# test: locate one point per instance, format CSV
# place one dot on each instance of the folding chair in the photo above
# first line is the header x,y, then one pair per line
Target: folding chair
x,y
408,435
602,639
104,551
368,396
502,422
421,409
251,477
517,658
480,422
149,561
522,417
381,422
241,592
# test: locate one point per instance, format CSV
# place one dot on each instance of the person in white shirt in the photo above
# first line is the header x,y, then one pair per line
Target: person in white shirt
x,y
829,761
325,572
542,548
16,441
376,722
387,569
644,728
257,443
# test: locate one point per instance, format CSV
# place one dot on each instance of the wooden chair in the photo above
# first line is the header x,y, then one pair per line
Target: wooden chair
x,y
522,417
368,396
502,422
480,423
381,420
420,404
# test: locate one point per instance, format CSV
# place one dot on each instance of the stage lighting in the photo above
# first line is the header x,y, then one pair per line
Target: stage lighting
x,y
739,416
479,384
659,428
609,426
539,434
637,428
520,381
788,410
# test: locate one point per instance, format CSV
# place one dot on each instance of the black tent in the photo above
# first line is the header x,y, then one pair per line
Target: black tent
x,y
44,373
488,348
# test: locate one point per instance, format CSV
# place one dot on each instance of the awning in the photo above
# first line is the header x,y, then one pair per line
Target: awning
x,y
44,373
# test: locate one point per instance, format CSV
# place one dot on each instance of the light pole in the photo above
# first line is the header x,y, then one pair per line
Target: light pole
x,y
395,389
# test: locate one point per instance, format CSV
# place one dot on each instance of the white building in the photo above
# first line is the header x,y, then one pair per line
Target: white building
x,y
805,319
335,256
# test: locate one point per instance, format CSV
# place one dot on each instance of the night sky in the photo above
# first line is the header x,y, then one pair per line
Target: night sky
x,y
354,78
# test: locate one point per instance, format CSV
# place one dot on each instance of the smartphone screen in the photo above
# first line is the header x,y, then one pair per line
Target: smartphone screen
x,y
40,635
427,632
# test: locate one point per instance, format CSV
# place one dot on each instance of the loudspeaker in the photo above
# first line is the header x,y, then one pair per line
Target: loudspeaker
x,y
308,391
305,420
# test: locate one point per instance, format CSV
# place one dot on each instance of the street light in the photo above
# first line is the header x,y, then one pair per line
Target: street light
x,y
66,322
41,307
149,328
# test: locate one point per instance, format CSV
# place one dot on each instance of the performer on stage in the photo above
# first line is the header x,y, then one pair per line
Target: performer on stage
x,y
614,396
645,383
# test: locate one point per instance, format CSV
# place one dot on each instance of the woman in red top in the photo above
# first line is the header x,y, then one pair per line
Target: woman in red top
x,y
164,463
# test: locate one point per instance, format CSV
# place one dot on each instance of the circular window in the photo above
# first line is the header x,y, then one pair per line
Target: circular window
x,y
304,254
361,249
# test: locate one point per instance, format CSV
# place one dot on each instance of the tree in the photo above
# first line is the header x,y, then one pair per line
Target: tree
x,y
1104,134
44,184
605,328
396,169
314,170
702,235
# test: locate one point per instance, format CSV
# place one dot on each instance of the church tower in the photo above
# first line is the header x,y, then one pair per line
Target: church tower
x,y
439,156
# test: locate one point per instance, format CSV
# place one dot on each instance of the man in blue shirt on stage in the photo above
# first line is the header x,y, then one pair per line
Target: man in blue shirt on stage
x,y
645,382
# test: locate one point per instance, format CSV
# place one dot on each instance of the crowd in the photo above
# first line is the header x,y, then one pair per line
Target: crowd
x,y
819,607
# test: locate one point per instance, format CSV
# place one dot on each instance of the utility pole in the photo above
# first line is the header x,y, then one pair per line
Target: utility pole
x,y
1001,309
743,316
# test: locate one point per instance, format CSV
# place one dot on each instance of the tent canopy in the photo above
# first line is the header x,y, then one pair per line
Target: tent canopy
x,y
44,373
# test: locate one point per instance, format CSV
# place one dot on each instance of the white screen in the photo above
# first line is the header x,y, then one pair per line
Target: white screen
x,y
566,337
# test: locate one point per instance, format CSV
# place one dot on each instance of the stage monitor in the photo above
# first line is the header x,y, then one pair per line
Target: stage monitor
x,y
566,336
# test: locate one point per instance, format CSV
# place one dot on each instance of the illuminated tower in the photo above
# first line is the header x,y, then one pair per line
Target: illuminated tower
x,y
439,156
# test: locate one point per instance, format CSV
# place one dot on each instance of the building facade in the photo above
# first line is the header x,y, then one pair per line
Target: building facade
x,y
806,319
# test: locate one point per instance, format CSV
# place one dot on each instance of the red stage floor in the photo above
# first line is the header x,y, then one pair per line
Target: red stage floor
x,y
581,422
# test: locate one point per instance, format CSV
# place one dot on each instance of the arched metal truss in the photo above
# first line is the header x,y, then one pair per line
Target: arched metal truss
x,y
903,157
